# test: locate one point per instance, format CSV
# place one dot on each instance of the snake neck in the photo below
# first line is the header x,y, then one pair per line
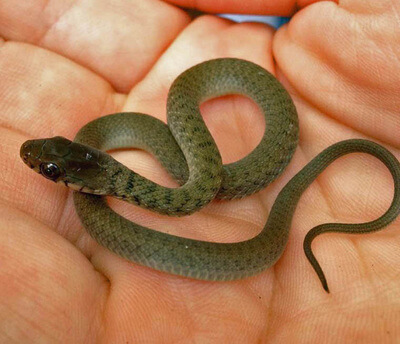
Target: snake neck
x,y
131,187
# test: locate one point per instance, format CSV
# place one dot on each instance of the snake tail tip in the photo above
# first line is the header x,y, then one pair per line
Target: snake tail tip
x,y
325,284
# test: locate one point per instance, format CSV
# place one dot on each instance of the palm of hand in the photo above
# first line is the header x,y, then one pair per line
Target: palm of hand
x,y
55,277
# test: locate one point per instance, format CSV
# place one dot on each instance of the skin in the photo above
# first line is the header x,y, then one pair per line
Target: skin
x,y
54,277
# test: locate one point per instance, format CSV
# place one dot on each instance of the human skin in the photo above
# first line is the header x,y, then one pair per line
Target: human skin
x,y
64,63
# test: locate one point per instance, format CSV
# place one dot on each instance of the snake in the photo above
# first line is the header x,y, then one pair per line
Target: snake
x,y
186,149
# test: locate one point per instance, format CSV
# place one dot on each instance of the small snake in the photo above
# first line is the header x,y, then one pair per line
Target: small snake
x,y
188,152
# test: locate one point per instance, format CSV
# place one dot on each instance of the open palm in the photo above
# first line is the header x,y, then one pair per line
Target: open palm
x,y
64,64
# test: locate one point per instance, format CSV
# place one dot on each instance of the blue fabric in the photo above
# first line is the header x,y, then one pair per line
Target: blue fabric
x,y
276,22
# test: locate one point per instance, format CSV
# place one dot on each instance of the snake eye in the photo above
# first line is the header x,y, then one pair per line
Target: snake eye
x,y
50,170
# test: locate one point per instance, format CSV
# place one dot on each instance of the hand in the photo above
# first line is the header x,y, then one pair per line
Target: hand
x,y
62,67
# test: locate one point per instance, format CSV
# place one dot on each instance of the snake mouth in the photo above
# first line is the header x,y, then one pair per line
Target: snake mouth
x,y
26,153
30,153
80,188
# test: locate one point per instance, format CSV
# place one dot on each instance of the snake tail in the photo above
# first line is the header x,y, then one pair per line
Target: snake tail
x,y
320,162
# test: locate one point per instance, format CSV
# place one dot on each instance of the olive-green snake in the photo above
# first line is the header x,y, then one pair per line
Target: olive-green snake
x,y
188,152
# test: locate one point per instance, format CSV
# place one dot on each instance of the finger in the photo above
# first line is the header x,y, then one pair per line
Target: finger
x,y
44,93
45,280
119,41
270,7
350,72
40,101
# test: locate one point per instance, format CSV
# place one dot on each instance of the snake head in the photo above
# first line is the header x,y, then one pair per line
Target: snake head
x,y
77,166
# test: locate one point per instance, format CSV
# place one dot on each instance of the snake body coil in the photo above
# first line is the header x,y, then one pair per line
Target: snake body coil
x,y
188,152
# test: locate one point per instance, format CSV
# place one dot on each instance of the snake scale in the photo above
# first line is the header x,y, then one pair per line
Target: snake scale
x,y
188,152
